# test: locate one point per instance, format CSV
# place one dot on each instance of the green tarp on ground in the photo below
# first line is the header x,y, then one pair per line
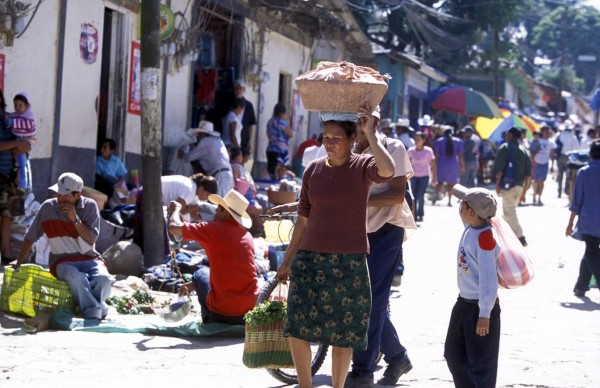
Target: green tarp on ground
x,y
64,320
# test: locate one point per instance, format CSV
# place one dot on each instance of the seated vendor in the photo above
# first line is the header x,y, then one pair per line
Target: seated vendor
x,y
110,170
229,288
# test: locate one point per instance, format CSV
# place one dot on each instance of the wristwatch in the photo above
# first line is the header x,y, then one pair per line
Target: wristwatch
x,y
77,220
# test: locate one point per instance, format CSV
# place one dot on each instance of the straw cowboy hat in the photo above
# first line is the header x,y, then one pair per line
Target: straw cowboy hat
x,y
425,121
204,127
402,122
385,123
235,204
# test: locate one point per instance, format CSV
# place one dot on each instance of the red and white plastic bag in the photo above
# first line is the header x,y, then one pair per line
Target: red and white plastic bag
x,y
514,267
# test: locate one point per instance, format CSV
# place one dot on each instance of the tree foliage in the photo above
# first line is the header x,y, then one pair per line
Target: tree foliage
x,y
562,36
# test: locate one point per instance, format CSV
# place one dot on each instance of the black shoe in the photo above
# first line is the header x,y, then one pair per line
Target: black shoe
x,y
579,293
523,241
394,371
354,380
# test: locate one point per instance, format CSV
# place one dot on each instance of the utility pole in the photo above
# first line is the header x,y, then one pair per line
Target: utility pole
x,y
154,250
563,54
496,83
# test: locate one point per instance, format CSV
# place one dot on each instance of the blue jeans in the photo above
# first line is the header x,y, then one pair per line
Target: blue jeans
x,y
385,254
419,186
468,178
590,263
90,284
409,198
201,280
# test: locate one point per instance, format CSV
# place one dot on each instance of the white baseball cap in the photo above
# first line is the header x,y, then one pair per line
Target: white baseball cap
x,y
67,184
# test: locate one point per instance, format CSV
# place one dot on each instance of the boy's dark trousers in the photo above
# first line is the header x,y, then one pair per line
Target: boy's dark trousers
x,y
472,359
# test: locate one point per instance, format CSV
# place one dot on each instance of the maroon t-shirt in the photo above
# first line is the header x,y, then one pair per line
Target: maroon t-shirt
x,y
334,199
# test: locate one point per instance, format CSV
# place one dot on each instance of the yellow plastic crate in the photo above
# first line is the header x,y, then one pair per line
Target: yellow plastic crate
x,y
32,289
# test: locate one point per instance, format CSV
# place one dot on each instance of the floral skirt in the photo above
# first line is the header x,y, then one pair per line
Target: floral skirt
x,y
329,300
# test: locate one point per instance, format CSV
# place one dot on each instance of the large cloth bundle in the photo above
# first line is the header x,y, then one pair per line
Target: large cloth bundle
x,y
341,87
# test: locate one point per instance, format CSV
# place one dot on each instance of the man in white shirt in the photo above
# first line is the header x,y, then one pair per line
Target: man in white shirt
x,y
388,217
541,159
566,142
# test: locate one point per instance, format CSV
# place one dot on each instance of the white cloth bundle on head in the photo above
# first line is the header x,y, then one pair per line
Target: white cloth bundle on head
x,y
338,116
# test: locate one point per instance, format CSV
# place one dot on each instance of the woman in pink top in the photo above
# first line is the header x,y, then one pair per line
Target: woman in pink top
x,y
330,294
422,160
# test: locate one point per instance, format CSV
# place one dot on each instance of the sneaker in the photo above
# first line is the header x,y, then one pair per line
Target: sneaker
x,y
394,371
579,293
523,241
354,380
397,280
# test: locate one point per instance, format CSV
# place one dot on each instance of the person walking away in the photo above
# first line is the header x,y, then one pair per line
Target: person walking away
x,y
585,206
71,223
473,338
227,289
388,216
330,296
422,159
540,163
279,133
23,127
470,154
248,119
450,163
512,169
11,199
566,142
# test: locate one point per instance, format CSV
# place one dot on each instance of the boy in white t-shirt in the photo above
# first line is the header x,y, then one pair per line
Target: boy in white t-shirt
x,y
541,157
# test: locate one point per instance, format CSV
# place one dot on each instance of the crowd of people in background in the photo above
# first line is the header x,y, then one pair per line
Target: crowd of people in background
x,y
395,170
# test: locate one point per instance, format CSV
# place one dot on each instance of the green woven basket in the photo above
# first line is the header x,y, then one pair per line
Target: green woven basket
x,y
266,347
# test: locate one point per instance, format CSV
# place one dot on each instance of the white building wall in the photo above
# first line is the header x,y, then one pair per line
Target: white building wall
x,y
31,67
81,81
178,89
280,56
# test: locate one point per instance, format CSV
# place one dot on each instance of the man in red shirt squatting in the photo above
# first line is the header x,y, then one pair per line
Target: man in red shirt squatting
x,y
229,288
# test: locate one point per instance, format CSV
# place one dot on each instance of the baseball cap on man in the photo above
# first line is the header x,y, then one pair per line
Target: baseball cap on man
x,y
67,184
481,200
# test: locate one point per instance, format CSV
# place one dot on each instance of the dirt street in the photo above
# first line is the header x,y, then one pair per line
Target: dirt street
x,y
549,337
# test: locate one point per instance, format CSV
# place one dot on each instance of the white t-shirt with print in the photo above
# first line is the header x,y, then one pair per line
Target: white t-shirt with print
x,y
543,155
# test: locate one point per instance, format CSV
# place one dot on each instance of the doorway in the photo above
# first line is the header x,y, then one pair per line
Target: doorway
x,y
112,96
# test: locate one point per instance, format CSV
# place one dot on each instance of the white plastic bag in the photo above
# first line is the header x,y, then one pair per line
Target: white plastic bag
x,y
514,267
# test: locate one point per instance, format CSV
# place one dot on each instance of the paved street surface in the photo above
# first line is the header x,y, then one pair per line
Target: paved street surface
x,y
550,338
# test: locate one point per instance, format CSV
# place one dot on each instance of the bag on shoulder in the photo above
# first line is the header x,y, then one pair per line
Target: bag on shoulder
x,y
514,267
509,178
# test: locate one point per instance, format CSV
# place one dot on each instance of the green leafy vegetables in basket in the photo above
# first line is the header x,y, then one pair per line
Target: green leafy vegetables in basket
x,y
266,313
137,303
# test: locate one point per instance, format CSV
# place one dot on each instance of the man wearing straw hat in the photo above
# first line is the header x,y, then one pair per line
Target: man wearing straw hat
x,y
229,288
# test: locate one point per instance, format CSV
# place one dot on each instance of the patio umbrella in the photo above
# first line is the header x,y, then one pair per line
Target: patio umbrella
x,y
512,120
464,101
